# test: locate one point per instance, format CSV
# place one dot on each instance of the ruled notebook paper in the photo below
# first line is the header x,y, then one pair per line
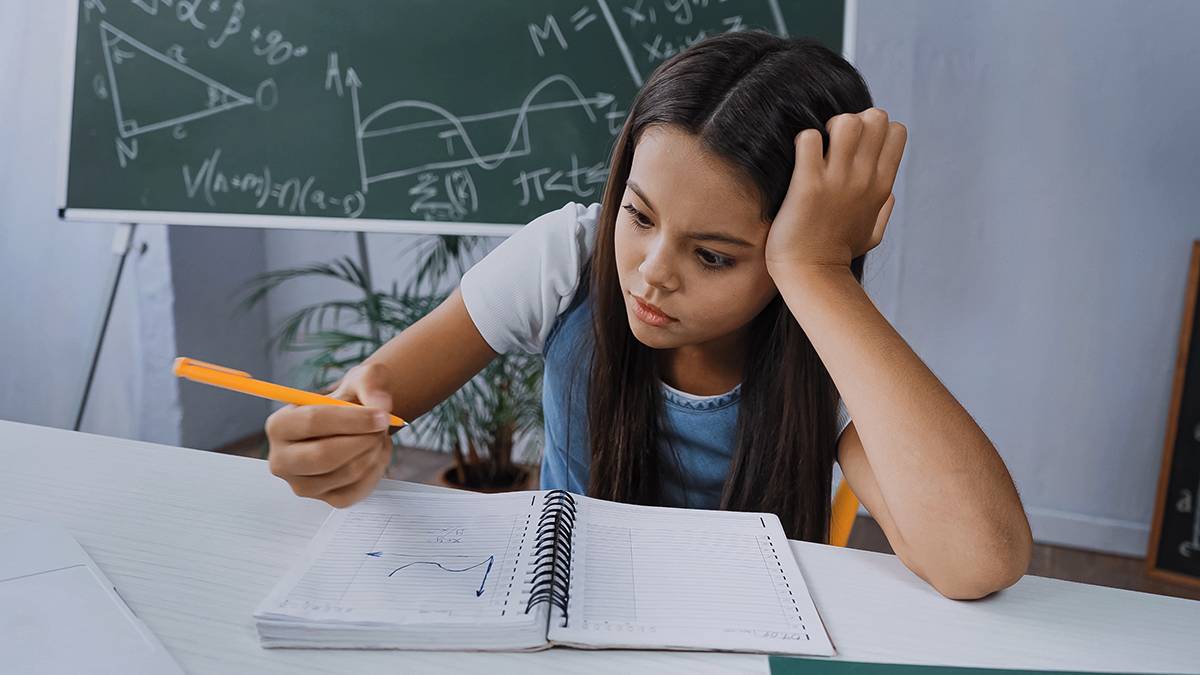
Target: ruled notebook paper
x,y
413,570
456,571
664,578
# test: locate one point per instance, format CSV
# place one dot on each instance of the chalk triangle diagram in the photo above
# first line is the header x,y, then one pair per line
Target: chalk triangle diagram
x,y
136,75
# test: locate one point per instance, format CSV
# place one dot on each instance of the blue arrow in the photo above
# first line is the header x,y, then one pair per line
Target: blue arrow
x,y
490,560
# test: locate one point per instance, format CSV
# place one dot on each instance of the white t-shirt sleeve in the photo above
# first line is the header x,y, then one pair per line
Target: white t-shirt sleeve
x,y
843,419
515,293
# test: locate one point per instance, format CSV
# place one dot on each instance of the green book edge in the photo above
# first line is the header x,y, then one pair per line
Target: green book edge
x,y
787,665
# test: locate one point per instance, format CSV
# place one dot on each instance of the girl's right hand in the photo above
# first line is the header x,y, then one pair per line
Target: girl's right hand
x,y
335,453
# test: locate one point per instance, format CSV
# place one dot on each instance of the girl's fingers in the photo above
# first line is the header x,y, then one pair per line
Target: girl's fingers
x,y
874,130
809,155
349,473
298,423
845,130
349,494
320,456
366,384
891,152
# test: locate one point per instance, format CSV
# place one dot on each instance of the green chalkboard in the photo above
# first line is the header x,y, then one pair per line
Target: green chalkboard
x,y
428,115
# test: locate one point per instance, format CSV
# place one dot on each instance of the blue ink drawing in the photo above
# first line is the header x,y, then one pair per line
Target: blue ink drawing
x,y
488,561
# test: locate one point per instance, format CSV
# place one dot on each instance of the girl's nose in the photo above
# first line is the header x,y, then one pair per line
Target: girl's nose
x,y
658,270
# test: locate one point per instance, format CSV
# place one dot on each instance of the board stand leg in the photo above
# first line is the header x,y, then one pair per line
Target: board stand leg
x,y
122,239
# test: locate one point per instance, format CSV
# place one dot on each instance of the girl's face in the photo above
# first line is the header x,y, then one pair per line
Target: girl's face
x,y
689,240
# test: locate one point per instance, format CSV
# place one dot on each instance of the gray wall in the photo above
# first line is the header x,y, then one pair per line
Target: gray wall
x,y
1037,255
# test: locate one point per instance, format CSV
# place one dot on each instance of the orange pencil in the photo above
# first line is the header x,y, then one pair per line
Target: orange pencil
x,y
228,378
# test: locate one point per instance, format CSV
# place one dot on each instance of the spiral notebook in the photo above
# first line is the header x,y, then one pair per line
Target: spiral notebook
x,y
530,570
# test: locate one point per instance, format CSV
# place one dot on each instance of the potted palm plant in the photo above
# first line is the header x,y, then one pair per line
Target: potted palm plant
x,y
481,424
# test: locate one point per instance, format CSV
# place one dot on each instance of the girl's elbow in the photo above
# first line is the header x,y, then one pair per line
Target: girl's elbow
x,y
981,578
1019,548
978,586
968,590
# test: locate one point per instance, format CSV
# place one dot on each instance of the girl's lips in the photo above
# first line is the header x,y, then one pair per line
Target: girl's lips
x,y
651,314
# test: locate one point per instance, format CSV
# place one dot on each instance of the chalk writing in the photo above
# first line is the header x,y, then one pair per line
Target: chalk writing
x,y
449,197
294,195
577,181
209,97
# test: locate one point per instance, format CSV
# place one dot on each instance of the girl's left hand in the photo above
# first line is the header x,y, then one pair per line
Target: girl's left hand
x,y
837,206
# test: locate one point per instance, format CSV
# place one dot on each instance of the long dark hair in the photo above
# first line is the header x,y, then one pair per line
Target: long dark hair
x,y
745,95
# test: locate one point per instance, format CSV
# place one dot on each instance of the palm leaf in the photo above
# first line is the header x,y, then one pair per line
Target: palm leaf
x,y
442,254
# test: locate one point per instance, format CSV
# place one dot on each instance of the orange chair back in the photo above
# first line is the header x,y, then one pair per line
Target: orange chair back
x,y
842,515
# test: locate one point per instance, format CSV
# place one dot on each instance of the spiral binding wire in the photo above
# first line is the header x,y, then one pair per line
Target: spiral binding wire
x,y
551,573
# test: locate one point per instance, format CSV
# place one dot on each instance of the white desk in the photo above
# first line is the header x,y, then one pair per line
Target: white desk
x,y
194,540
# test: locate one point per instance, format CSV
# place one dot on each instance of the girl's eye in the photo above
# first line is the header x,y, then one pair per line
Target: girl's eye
x,y
713,261
639,218
709,261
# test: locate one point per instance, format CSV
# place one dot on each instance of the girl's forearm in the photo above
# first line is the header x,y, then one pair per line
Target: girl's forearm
x,y
947,489
430,360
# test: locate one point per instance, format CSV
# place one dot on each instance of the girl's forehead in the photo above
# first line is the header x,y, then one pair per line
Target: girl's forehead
x,y
684,181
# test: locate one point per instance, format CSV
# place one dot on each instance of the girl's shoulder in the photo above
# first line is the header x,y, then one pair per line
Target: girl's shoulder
x,y
517,291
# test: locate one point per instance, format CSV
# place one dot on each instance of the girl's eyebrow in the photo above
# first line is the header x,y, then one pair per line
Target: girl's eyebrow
x,y
703,236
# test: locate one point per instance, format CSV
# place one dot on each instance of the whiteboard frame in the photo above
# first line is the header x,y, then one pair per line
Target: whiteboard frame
x,y
261,221
380,225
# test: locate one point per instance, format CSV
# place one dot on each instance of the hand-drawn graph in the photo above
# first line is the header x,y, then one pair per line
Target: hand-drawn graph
x,y
397,556
129,60
452,567
436,132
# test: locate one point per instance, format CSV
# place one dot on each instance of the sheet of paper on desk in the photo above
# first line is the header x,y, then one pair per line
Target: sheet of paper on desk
x,y
60,614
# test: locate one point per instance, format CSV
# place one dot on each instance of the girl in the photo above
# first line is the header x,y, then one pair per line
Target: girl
x,y
700,323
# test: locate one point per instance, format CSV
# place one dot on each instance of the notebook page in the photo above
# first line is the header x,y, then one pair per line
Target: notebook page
x,y
655,577
424,561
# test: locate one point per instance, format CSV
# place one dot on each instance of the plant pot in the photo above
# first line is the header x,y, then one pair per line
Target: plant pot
x,y
519,480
